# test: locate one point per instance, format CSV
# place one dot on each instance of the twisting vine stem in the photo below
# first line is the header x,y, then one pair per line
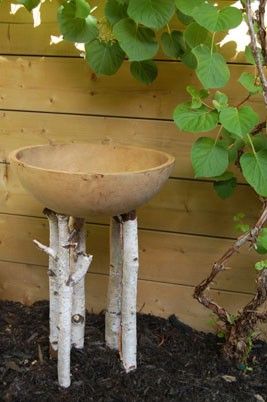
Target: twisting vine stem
x,y
254,47
238,332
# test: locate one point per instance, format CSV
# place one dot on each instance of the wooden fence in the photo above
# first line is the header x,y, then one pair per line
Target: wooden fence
x,y
48,94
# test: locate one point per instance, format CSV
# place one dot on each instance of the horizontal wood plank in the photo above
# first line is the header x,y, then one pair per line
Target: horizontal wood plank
x,y
15,28
68,86
185,206
12,41
164,257
19,129
28,283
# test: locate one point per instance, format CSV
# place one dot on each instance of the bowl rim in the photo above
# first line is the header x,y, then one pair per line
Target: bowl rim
x,y
13,157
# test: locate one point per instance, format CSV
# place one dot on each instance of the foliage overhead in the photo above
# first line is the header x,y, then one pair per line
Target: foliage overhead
x,y
137,30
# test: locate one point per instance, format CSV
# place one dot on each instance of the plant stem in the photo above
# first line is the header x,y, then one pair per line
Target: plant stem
x,y
212,42
218,134
252,145
255,50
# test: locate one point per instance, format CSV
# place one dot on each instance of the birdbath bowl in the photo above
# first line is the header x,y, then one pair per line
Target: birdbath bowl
x,y
73,181
83,179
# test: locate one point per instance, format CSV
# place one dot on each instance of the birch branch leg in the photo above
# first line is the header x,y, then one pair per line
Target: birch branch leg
x,y
52,251
65,303
53,288
113,312
129,290
78,304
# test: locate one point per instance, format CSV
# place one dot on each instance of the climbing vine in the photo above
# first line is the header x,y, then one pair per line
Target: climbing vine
x,y
137,30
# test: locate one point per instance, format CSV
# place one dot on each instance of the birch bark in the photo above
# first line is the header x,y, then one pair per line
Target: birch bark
x,y
65,303
113,312
129,291
53,288
78,305
52,251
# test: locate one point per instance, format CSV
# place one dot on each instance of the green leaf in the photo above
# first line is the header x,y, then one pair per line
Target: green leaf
x,y
115,11
259,141
225,188
144,71
195,35
234,148
220,101
208,158
195,120
223,177
189,59
260,265
247,80
185,19
138,42
151,13
75,22
29,4
197,96
239,121
215,20
104,57
187,7
212,69
173,44
261,244
254,169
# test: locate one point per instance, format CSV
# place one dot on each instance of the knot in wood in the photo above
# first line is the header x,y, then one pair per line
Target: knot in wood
x,y
77,319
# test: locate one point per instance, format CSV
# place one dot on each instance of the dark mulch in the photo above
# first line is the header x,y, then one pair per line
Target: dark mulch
x,y
175,363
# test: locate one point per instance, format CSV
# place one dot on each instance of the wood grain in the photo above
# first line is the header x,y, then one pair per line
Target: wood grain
x,y
66,85
28,283
164,257
184,206
15,28
19,129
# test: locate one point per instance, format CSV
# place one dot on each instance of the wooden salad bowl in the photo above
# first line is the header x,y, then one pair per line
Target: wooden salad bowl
x,y
81,179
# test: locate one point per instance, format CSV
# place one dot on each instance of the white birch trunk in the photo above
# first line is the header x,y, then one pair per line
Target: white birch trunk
x,y
78,305
52,251
65,291
53,288
129,292
113,312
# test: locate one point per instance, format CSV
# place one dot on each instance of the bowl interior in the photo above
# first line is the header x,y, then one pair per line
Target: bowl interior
x,y
92,158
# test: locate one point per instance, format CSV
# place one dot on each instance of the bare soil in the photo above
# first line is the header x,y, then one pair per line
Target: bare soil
x,y
175,363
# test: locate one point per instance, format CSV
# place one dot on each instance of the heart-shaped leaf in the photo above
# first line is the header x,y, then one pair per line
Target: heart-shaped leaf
x,y
220,101
239,121
187,7
75,22
104,57
248,81
225,188
195,35
151,13
173,44
212,69
138,42
144,71
208,158
115,11
254,168
215,20
195,120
